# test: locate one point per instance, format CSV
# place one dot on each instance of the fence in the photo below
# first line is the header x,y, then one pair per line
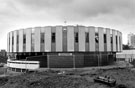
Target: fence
x,y
70,60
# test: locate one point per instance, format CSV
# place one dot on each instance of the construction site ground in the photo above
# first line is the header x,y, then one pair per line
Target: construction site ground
x,y
122,72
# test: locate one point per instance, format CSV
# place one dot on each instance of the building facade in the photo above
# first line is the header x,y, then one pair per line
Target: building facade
x,y
65,46
131,40
3,53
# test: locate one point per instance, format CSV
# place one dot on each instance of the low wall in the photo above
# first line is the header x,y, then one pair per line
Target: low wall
x,y
30,65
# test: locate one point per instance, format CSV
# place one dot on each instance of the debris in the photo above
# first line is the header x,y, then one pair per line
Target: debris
x,y
105,80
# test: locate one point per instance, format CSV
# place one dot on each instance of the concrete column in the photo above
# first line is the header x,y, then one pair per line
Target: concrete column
x,y
70,38
21,40
15,41
91,38
118,34
48,39
28,39
114,40
101,39
59,44
37,39
81,38
121,41
8,36
10,41
108,39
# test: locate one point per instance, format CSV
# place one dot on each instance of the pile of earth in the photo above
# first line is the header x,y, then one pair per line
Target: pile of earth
x,y
70,79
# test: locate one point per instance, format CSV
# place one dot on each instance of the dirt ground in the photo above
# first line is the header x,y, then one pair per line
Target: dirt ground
x,y
69,79
73,78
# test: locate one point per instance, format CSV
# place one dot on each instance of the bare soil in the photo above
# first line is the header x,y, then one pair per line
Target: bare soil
x,y
70,79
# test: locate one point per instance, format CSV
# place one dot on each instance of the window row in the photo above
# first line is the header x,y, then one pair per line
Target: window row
x,y
53,38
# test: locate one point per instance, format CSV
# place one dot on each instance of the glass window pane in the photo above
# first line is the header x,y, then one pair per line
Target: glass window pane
x,y
76,37
53,37
87,37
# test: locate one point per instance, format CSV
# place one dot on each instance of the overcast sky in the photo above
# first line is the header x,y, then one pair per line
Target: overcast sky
x,y
115,14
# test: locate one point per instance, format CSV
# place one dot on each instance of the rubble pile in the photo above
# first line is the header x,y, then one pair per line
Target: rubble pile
x,y
69,79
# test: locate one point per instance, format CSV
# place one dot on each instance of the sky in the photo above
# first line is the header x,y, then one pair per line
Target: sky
x,y
114,14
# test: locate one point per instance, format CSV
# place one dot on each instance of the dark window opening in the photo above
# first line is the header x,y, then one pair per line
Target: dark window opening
x,y
32,42
87,37
116,40
96,38
76,37
104,38
119,40
111,40
12,40
53,37
42,37
17,39
9,41
24,39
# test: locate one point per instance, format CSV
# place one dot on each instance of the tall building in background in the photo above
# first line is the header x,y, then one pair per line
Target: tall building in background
x,y
131,40
3,53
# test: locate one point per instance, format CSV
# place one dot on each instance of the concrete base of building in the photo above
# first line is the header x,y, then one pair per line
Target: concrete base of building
x,y
69,59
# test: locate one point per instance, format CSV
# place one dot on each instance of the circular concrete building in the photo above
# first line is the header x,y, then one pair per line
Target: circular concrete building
x,y
62,47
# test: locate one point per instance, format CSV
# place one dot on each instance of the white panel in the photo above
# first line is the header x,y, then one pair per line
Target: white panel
x,y
59,39
108,39
121,41
101,39
28,39
81,38
114,40
70,38
118,40
15,39
37,39
91,38
10,41
47,39
23,64
21,40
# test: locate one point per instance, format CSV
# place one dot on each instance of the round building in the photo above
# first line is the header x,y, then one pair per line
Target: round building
x,y
62,47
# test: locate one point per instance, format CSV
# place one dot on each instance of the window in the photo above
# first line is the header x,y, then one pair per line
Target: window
x,y
87,37
116,40
12,40
9,43
24,39
120,42
96,37
32,42
111,39
17,39
104,38
42,37
76,37
53,37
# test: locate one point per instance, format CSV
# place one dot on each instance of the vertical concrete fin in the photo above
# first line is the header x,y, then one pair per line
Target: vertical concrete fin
x,y
70,38
81,38
37,39
48,39
91,38
59,44
101,39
